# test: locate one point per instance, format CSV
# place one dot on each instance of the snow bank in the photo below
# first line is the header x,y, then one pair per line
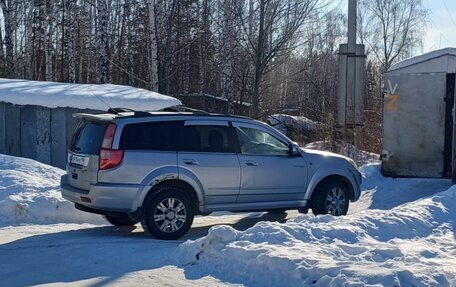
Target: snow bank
x,y
82,96
29,193
410,245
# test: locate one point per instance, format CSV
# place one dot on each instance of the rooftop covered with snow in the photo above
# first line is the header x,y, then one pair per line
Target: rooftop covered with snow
x,y
81,96
438,61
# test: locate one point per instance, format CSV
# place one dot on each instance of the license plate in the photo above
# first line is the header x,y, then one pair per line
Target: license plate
x,y
78,160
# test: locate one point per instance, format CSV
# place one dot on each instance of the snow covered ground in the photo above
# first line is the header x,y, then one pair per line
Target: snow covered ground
x,y
29,193
401,233
409,245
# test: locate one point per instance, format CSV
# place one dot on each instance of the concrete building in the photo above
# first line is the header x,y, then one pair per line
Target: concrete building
x,y
419,134
36,117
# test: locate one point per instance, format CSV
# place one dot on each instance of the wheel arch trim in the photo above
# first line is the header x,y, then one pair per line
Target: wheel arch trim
x,y
318,177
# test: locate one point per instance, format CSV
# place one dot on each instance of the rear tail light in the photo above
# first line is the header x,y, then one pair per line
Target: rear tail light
x,y
109,136
110,158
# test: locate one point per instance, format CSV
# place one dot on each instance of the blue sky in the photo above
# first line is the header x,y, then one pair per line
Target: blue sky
x,y
441,30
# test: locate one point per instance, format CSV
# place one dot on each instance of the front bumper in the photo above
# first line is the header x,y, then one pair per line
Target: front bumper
x,y
103,197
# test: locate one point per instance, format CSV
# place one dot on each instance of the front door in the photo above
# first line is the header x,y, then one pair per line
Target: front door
x,y
268,171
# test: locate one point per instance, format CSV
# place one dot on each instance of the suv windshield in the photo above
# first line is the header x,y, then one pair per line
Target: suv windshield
x,y
88,137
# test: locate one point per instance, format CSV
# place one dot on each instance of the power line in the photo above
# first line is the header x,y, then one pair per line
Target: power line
x,y
449,14
441,34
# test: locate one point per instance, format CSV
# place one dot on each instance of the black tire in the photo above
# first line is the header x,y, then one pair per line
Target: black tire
x,y
331,198
167,213
121,220
277,211
303,210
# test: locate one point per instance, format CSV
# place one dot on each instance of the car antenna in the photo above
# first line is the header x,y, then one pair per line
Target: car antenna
x,y
100,99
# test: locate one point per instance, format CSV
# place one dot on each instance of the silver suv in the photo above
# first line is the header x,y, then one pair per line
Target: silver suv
x,y
163,168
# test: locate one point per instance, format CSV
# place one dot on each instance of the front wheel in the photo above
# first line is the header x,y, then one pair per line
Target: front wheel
x,y
167,213
331,198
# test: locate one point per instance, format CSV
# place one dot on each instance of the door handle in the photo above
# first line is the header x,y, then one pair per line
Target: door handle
x,y
190,161
251,163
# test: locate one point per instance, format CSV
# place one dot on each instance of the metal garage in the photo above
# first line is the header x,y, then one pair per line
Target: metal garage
x,y
419,115
36,117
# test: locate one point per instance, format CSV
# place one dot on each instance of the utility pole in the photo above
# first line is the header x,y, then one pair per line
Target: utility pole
x,y
351,83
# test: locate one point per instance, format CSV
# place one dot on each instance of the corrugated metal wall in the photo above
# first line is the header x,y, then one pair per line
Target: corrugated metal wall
x,y
37,132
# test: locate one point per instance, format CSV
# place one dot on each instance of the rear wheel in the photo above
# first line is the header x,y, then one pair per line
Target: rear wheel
x,y
121,220
167,213
331,198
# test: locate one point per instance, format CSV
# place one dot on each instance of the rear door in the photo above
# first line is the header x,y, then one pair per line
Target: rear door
x,y
208,153
83,155
150,150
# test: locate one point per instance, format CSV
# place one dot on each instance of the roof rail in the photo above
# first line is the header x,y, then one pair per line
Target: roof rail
x,y
119,110
116,111
184,109
173,109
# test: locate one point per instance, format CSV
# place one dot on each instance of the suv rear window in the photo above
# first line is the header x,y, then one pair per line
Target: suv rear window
x,y
88,137
160,136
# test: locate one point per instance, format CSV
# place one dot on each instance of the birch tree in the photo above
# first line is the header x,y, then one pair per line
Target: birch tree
x,y
153,58
272,36
6,6
71,41
103,41
48,28
227,8
393,29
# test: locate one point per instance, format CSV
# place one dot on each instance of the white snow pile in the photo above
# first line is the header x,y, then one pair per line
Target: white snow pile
x,y
285,123
82,96
410,245
30,193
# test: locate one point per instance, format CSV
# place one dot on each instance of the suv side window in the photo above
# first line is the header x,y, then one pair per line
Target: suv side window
x,y
210,138
257,142
159,136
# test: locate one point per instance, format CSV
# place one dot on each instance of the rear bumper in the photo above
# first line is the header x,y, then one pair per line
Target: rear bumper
x,y
104,197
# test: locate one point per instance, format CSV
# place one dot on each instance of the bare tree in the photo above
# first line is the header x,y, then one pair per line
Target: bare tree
x,y
278,22
392,29
103,41
153,58
7,9
227,10
71,41
48,29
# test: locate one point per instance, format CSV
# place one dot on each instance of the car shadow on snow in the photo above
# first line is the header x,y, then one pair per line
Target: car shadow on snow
x,y
199,230
105,251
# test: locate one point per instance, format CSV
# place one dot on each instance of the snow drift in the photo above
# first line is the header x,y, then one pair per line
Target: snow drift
x,y
30,193
410,245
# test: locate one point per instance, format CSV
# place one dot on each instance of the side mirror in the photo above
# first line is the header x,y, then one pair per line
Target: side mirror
x,y
294,149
